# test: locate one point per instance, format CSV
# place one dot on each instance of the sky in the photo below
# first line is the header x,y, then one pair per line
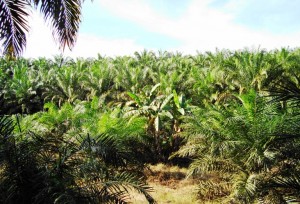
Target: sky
x,y
121,27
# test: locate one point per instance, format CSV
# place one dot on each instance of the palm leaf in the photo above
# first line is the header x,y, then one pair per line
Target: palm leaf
x,y
135,98
156,123
117,189
287,90
154,88
107,148
13,25
64,16
166,101
289,182
6,126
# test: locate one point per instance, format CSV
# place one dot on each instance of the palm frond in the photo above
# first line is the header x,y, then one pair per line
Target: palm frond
x,y
211,190
6,126
13,26
209,164
107,148
287,89
124,182
64,16
245,187
290,183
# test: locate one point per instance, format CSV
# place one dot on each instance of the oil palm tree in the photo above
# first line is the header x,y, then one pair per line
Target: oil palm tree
x,y
64,17
249,140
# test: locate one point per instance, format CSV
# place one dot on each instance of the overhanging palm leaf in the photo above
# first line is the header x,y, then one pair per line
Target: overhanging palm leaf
x,y
13,25
64,16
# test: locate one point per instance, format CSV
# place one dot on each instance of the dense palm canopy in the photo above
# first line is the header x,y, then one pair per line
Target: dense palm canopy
x,y
51,167
233,116
64,17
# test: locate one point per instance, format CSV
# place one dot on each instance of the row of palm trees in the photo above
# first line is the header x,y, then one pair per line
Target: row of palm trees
x,y
205,78
233,114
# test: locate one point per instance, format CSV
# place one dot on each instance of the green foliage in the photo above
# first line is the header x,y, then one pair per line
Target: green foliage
x,y
248,140
163,113
204,78
55,169
235,114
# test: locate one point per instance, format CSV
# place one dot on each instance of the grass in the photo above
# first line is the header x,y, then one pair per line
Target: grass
x,y
170,186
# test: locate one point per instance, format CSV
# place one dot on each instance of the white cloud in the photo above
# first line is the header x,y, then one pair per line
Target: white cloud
x,y
90,46
41,43
39,40
201,27
141,13
218,30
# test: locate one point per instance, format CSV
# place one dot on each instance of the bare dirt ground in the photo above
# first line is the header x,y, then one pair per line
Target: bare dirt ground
x,y
170,186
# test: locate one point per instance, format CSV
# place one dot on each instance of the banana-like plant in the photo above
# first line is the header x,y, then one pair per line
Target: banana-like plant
x,y
156,108
163,113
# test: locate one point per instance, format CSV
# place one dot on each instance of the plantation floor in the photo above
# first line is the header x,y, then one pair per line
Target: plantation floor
x,y
170,186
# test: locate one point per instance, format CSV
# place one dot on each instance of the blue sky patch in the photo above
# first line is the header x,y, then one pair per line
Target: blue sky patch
x,y
277,16
100,22
171,8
